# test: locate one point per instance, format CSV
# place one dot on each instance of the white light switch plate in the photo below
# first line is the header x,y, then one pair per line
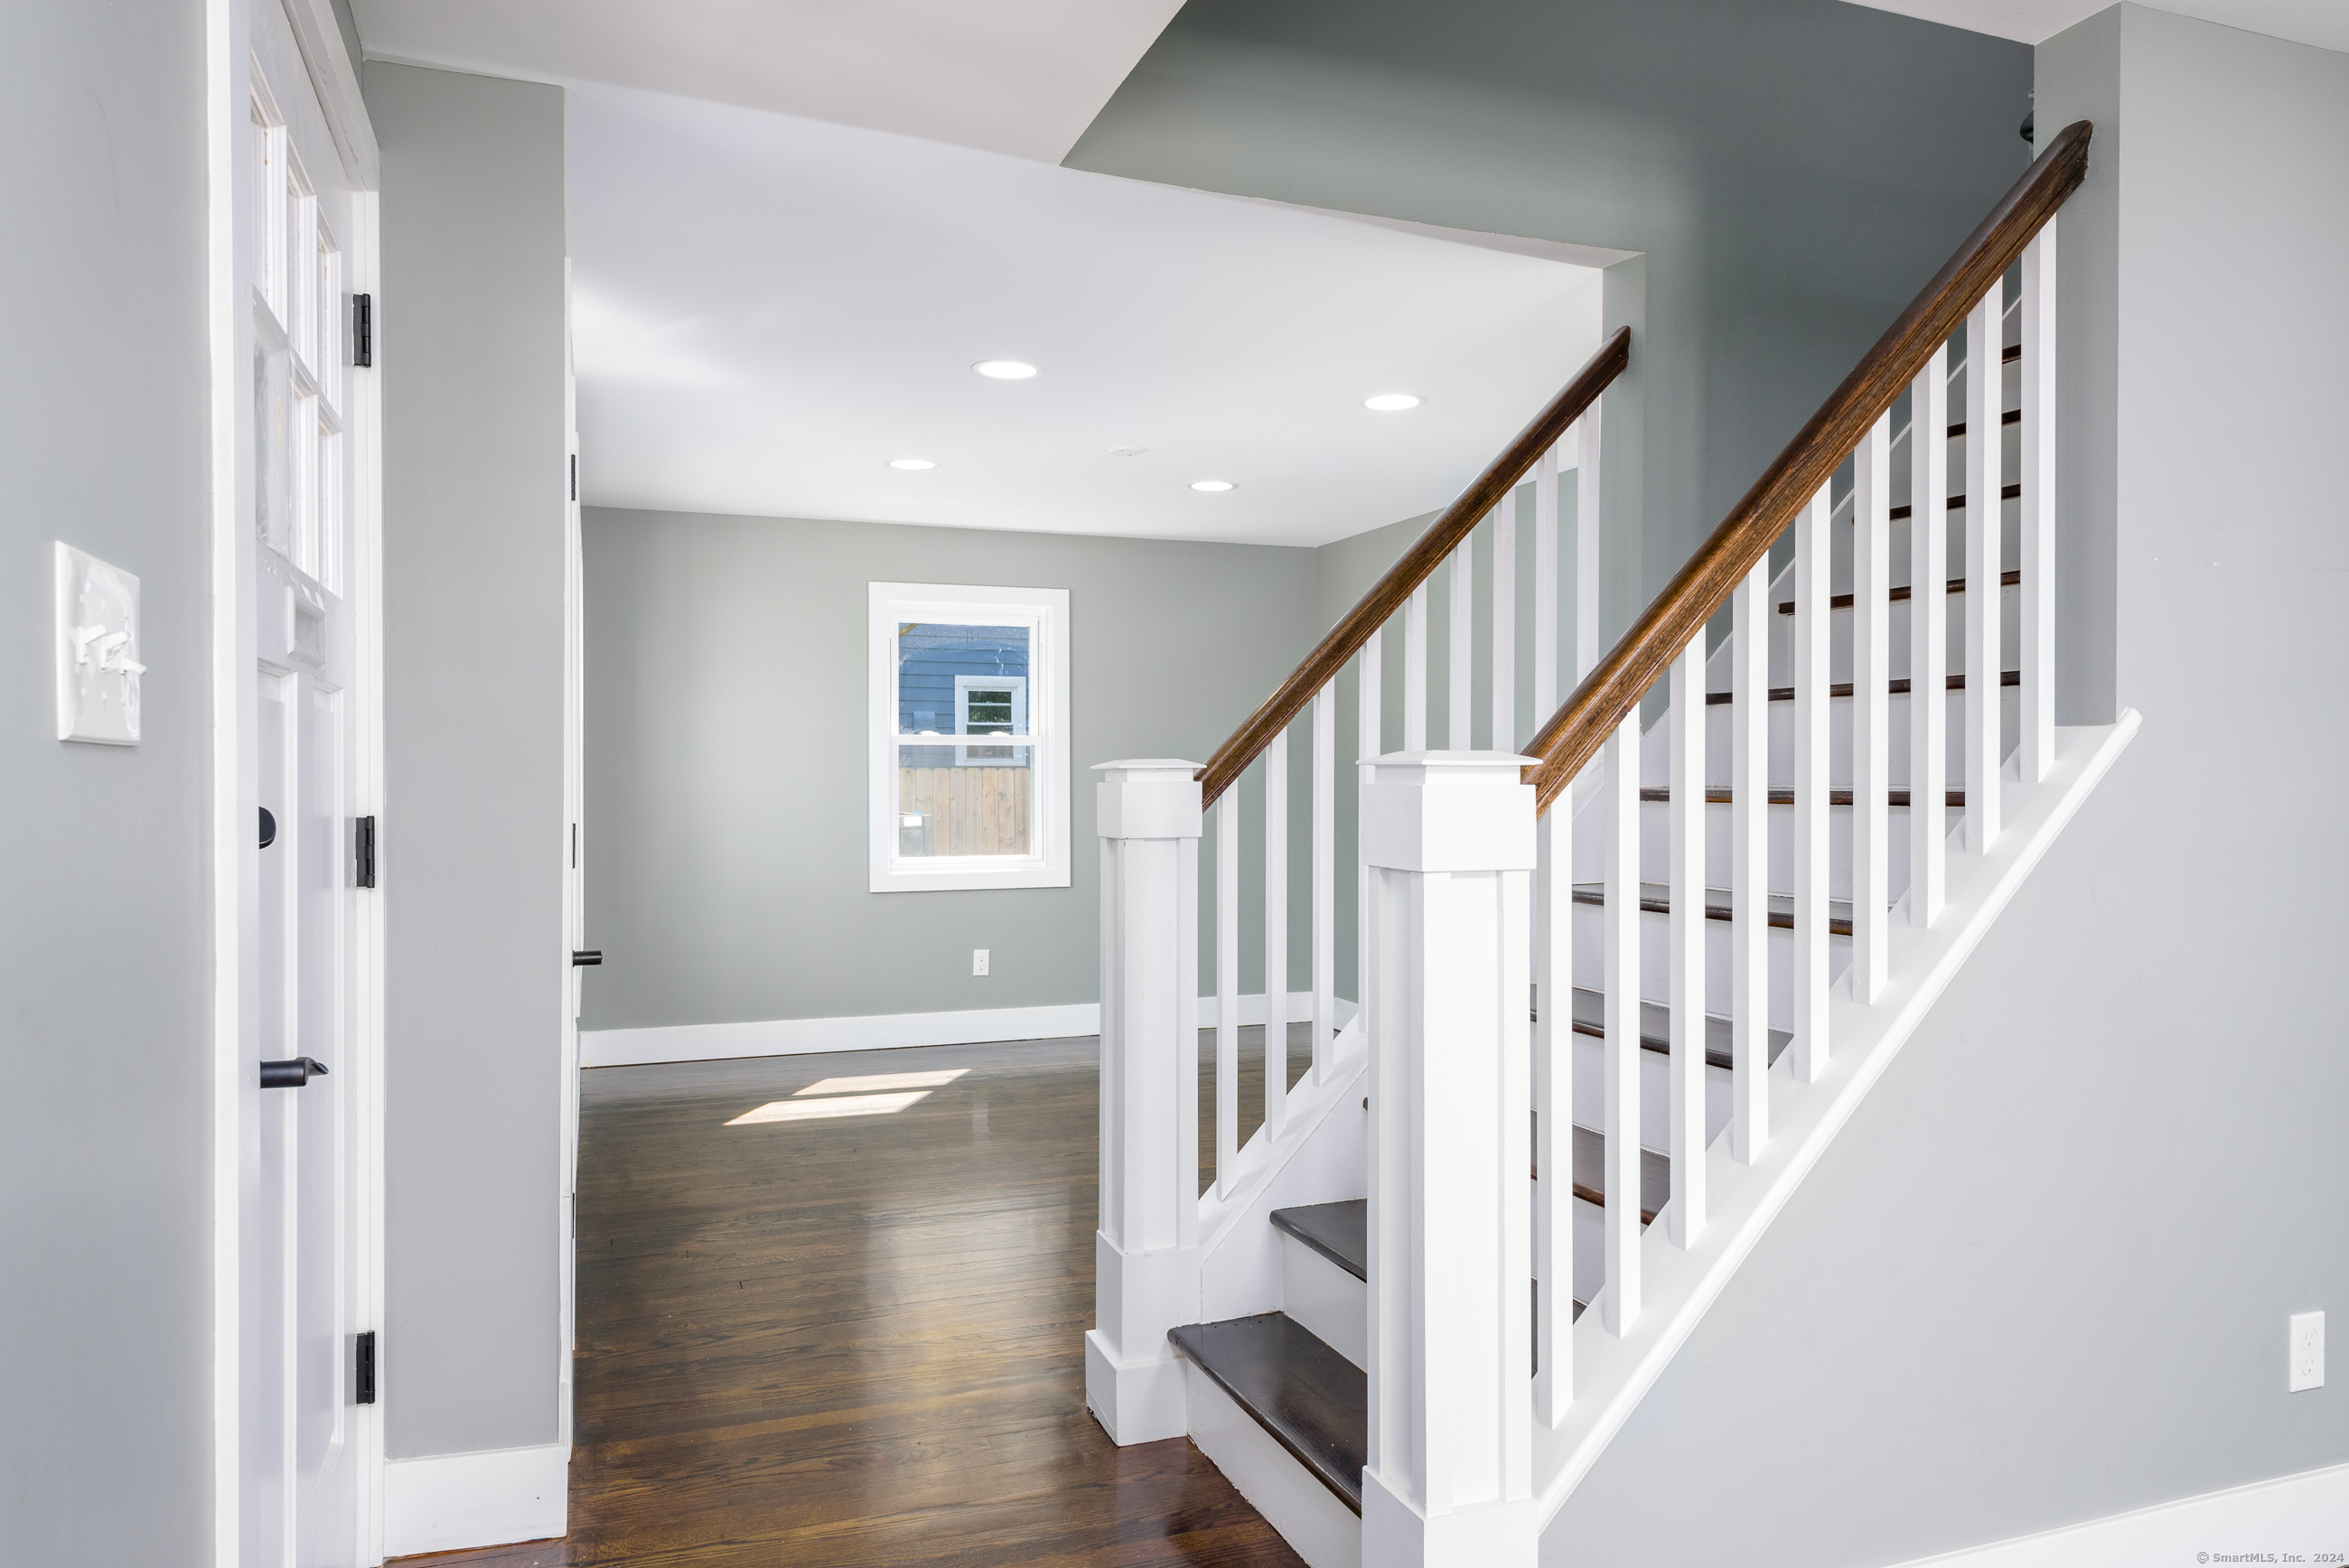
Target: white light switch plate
x,y
2306,1334
98,650
979,961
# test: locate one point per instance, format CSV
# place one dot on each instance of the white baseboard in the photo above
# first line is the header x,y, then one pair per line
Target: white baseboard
x,y
877,1031
2306,1514
450,1501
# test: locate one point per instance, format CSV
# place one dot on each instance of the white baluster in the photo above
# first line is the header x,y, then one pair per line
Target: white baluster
x,y
1585,544
1325,876
1146,1252
1929,638
1228,991
1275,937
1450,1474
1687,958
1749,864
1554,1115
1460,666
1811,617
1414,670
1504,626
1370,726
1983,559
1544,587
1871,675
1620,978
2038,479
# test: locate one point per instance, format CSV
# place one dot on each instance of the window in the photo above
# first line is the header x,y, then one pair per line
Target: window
x,y
949,664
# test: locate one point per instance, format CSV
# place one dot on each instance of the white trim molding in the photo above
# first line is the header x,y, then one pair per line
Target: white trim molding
x,y
873,1032
2300,1515
447,1502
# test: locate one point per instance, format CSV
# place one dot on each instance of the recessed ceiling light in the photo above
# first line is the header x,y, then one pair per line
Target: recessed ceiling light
x,y
1211,485
911,464
1127,451
1005,369
1391,402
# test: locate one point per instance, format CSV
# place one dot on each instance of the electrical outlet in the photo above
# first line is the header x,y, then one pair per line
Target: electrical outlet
x,y
979,961
2307,1332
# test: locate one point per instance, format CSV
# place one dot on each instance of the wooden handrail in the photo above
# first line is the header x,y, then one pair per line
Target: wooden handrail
x,y
1698,591
1417,565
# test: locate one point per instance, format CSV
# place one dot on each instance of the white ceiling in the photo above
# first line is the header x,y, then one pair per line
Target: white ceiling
x,y
2325,23
1019,77
769,309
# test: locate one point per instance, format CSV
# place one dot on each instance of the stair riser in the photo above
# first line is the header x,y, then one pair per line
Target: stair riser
x,y
1327,1300
1655,961
1655,1095
1655,846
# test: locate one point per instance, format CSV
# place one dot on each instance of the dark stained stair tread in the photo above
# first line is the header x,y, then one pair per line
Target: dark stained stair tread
x,y
1340,1231
1314,1402
1655,1035
1590,1174
2011,578
1957,502
1896,687
1721,794
1655,898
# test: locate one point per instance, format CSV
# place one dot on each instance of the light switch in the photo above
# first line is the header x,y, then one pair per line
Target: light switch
x,y
98,650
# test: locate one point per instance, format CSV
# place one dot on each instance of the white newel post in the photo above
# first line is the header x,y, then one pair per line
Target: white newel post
x,y
1146,1252
1449,838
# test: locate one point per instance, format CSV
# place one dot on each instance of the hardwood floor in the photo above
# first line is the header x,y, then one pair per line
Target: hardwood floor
x,y
858,1340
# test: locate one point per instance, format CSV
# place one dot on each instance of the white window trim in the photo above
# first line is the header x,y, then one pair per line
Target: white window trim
x,y
1046,612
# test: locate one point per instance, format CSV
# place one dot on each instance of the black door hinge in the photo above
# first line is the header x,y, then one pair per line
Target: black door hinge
x,y
363,1383
363,330
574,475
364,851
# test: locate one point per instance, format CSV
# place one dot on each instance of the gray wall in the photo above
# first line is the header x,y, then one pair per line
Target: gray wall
x,y
1793,171
726,736
2043,1276
105,920
470,350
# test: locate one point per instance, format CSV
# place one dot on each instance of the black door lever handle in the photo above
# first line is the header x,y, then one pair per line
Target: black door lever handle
x,y
292,1074
585,957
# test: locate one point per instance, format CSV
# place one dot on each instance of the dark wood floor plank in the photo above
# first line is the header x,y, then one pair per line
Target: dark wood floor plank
x,y
859,1340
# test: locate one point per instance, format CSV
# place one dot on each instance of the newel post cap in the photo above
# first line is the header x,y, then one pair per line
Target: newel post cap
x,y
1450,811
1147,798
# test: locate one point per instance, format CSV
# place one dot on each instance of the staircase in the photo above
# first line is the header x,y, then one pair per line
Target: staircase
x,y
1373,1320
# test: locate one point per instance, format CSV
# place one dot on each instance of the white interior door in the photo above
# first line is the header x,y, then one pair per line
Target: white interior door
x,y
300,1218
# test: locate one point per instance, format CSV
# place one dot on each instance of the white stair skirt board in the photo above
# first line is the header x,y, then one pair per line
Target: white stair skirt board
x,y
1309,1516
451,1501
877,1031
2301,1514
1679,1284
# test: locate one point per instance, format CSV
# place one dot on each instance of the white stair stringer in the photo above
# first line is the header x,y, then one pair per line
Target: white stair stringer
x,y
1321,1158
1612,1374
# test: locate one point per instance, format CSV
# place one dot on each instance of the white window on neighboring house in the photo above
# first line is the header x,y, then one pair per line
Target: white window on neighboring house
x,y
949,664
989,705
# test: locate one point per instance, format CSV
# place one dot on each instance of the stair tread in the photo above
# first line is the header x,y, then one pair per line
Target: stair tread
x,y
1313,1401
1590,1174
1340,1231
1721,794
1656,898
1655,1033
2011,578
1897,687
